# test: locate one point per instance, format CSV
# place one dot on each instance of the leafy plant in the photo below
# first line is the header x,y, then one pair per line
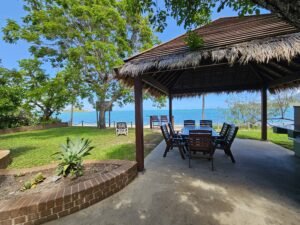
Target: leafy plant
x,y
21,174
38,178
27,185
193,40
71,156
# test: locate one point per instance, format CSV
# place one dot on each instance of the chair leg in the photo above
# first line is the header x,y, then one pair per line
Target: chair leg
x,y
189,155
166,150
183,148
229,153
181,152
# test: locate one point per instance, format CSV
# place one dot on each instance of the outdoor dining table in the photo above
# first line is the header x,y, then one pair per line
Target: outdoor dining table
x,y
185,131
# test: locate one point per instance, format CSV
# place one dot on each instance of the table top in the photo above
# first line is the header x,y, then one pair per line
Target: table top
x,y
185,131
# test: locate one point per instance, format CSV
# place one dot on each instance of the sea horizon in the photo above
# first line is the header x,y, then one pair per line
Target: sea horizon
x,y
217,115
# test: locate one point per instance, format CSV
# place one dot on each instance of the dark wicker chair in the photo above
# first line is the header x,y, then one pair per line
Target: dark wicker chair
x,y
172,142
154,121
164,119
173,133
224,130
206,123
225,144
201,142
189,123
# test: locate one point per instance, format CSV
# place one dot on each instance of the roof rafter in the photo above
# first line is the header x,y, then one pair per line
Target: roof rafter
x,y
155,84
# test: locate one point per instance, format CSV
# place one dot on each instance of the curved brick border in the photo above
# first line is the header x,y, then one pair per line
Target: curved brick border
x,y
4,158
39,209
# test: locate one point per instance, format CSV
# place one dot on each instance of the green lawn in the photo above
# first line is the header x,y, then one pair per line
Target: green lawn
x,y
279,139
35,148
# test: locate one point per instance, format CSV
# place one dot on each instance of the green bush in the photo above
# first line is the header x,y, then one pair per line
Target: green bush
x,y
71,156
193,41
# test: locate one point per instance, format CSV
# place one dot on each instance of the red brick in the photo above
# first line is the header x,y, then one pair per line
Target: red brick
x,y
74,209
33,216
45,213
63,213
57,209
52,217
4,215
21,219
6,222
69,205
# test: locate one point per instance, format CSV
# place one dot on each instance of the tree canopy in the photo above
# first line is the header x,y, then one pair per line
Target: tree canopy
x,y
89,37
198,12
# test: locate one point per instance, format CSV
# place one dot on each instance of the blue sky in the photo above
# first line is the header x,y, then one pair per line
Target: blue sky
x,y
11,53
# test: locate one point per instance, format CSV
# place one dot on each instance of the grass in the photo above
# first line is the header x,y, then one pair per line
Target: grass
x,y
279,139
35,148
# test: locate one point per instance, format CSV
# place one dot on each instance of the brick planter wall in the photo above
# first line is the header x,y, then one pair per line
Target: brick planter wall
x,y
30,128
29,210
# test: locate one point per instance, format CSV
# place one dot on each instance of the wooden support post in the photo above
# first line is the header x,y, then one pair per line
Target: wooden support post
x,y
264,118
171,110
139,128
203,107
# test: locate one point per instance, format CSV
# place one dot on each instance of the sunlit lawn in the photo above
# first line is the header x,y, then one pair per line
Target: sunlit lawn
x,y
279,139
36,148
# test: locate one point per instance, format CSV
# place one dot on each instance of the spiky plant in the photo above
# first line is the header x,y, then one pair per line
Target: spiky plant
x,y
71,156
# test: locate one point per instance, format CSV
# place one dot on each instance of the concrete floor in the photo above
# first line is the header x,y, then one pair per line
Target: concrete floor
x,y
263,187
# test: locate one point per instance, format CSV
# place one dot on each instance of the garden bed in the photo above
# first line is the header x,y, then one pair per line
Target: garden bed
x,y
53,198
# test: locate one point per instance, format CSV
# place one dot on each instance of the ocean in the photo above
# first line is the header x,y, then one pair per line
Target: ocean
x,y
217,115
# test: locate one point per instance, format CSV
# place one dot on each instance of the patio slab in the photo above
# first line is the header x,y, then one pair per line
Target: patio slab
x,y
263,187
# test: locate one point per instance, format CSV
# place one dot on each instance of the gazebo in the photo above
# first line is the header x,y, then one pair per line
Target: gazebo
x,y
251,53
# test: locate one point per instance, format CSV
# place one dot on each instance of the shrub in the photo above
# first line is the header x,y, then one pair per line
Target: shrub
x,y
38,178
71,156
193,41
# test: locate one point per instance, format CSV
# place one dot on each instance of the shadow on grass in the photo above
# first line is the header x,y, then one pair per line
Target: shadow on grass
x,y
15,152
127,151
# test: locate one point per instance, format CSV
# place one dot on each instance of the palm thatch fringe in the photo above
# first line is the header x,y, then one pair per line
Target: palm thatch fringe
x,y
260,51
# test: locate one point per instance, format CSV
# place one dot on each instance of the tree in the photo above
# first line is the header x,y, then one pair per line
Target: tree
x,y
244,109
93,35
44,94
198,12
281,102
12,95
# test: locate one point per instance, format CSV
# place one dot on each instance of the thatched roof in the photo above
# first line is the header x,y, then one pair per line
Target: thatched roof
x,y
240,53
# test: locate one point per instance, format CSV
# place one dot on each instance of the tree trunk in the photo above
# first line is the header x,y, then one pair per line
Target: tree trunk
x,y
102,119
289,10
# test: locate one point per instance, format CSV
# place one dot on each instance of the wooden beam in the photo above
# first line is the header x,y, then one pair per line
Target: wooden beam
x,y
259,76
294,64
172,77
171,110
270,71
139,127
237,87
265,75
286,79
264,134
283,69
174,82
155,84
